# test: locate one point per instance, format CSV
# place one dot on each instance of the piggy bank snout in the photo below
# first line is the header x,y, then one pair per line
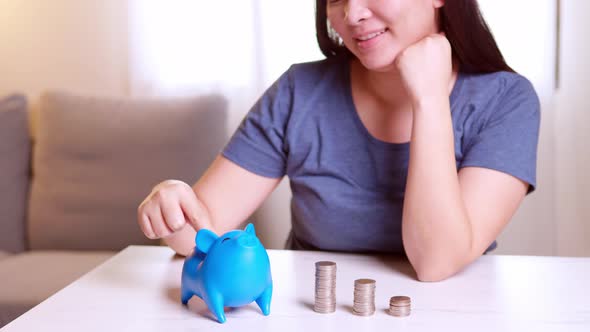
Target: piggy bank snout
x,y
247,240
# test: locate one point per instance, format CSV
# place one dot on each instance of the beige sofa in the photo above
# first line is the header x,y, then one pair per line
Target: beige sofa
x,y
69,189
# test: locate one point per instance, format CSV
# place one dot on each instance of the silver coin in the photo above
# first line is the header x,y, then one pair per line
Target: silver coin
x,y
325,287
364,297
325,264
364,282
363,313
400,306
400,301
398,313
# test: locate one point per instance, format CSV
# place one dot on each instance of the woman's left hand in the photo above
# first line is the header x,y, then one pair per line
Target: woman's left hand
x,y
426,68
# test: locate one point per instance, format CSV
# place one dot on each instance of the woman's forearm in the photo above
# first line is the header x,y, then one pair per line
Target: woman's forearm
x,y
436,231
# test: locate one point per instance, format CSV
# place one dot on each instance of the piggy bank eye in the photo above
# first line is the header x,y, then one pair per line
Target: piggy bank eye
x,y
227,238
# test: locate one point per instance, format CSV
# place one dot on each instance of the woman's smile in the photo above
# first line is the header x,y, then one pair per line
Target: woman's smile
x,y
367,41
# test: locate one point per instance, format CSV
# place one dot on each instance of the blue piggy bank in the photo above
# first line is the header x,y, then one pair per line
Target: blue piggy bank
x,y
231,270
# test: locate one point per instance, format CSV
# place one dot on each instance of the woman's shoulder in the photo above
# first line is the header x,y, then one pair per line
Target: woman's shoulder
x,y
496,86
314,71
495,97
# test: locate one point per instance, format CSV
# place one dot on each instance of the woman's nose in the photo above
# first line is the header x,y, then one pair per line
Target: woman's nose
x,y
356,11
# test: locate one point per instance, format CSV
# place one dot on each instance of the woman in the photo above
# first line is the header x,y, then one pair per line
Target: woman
x,y
413,136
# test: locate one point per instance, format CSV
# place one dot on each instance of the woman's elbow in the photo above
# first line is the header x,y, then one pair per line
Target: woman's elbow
x,y
433,275
433,271
436,265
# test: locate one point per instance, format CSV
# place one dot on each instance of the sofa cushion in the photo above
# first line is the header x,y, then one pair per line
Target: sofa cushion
x,y
15,149
31,277
4,254
95,160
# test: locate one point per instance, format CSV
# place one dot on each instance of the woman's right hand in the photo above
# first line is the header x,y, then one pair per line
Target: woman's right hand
x,y
168,208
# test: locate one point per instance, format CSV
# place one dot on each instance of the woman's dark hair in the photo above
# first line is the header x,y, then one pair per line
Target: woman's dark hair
x,y
472,41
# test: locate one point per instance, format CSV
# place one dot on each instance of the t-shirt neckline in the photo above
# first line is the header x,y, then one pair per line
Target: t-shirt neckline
x,y
351,107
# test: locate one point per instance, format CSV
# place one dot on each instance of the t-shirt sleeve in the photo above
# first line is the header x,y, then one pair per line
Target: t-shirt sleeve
x,y
507,141
258,145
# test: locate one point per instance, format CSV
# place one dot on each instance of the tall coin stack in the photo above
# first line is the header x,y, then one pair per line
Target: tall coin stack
x,y
400,306
364,297
325,287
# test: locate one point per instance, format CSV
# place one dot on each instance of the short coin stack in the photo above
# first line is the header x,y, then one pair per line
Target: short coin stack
x,y
400,306
325,287
364,297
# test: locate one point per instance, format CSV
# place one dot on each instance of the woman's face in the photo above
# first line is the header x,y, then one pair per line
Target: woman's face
x,y
376,31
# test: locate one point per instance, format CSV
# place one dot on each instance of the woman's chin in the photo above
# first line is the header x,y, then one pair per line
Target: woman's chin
x,y
378,65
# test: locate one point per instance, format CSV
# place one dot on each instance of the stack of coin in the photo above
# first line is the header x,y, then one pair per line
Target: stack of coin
x,y
400,306
364,297
325,287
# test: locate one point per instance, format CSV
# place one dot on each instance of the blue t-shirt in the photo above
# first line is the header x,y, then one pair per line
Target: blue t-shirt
x,y
348,186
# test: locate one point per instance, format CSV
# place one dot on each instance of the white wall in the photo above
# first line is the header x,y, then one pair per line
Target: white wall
x,y
183,49
572,129
76,45
530,50
554,220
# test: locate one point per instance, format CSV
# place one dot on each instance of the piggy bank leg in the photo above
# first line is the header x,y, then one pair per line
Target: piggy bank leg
x,y
185,294
263,300
214,301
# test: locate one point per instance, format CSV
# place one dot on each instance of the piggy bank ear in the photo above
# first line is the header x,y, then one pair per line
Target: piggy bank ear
x,y
205,239
250,229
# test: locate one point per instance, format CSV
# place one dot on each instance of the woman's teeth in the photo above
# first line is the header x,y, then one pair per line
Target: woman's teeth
x,y
370,36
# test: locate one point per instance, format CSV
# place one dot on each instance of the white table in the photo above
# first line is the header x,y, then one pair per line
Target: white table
x,y
138,290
